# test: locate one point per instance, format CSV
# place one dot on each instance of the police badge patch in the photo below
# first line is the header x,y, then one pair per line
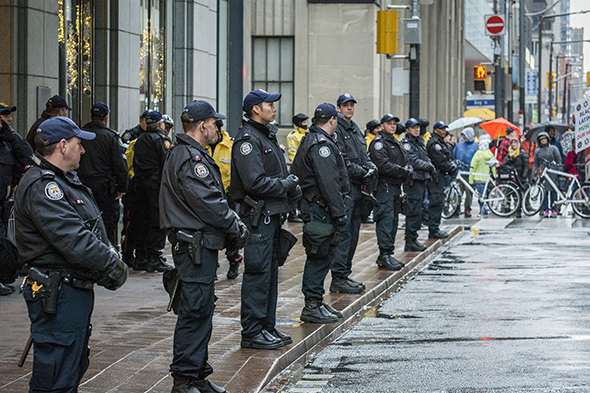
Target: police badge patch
x,y
246,148
407,146
167,144
438,147
201,170
52,191
324,151
378,145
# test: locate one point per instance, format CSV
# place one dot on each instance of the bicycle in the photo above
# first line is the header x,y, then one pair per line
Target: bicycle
x,y
577,194
501,199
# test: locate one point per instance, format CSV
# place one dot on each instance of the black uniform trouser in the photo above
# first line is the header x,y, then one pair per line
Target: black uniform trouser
x,y
349,236
415,195
151,239
60,340
386,215
437,198
129,231
195,313
315,269
261,277
107,204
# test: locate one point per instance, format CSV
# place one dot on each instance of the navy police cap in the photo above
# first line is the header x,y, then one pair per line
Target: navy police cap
x,y
344,98
257,97
200,110
57,128
326,111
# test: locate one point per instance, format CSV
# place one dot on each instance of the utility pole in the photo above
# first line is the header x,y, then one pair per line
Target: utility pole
x,y
550,81
539,107
508,9
565,93
415,68
498,72
521,65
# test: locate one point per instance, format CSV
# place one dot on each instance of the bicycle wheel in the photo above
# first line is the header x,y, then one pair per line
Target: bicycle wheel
x,y
580,194
452,201
506,206
532,200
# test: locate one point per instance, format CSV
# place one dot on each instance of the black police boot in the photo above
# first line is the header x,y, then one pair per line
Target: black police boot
x,y
155,264
343,285
182,385
414,245
140,263
355,282
438,234
282,336
263,340
332,310
205,386
233,273
5,290
386,261
315,312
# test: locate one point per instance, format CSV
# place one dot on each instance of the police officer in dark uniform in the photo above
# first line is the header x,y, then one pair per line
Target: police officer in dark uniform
x,y
361,170
265,192
324,182
193,205
441,157
413,144
55,106
390,158
135,132
151,150
61,237
103,167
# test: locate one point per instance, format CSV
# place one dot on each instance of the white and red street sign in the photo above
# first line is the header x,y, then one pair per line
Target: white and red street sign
x,y
495,24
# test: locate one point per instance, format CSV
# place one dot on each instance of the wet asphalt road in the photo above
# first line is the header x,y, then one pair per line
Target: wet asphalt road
x,y
504,309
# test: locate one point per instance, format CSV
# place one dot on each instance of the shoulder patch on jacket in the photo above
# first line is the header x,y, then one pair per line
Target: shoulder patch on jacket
x,y
324,151
245,148
53,192
437,147
201,170
407,146
167,144
378,145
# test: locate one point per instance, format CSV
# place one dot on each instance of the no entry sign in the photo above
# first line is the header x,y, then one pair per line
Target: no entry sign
x,y
494,25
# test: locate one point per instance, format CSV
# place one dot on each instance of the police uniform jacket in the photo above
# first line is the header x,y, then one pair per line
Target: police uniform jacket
x,y
353,146
293,141
33,130
151,150
192,195
222,156
15,155
322,174
440,154
58,224
389,156
417,157
257,168
103,158
131,134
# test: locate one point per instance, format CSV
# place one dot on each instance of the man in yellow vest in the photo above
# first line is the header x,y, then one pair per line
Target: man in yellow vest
x,y
373,128
295,136
221,153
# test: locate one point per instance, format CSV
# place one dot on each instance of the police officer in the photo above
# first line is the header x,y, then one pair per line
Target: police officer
x,y
103,167
193,203
390,158
317,162
413,144
220,150
151,150
61,237
294,138
55,106
441,157
135,132
261,184
361,170
168,125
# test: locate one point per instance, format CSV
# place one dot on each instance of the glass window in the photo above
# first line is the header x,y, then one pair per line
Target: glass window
x,y
76,55
272,70
152,63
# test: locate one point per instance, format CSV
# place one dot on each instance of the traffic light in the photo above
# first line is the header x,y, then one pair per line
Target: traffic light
x,y
554,111
588,79
387,32
480,72
553,76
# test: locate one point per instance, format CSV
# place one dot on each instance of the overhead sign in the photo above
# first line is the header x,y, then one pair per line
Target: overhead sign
x,y
531,86
582,112
476,101
494,25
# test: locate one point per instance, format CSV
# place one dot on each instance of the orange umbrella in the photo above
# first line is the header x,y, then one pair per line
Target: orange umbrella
x,y
497,127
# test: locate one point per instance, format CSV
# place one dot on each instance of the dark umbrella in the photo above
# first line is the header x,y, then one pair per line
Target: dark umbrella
x,y
560,128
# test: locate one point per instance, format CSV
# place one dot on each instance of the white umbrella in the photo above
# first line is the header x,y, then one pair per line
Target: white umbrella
x,y
463,122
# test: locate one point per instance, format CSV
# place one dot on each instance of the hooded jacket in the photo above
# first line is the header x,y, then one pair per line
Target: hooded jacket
x,y
465,150
546,152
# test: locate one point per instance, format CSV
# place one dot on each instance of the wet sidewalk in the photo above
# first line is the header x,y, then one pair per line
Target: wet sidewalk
x,y
132,332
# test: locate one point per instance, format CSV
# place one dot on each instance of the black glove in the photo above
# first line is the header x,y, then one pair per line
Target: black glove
x,y
296,195
407,171
341,221
371,172
346,199
239,240
453,171
290,183
116,277
431,169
